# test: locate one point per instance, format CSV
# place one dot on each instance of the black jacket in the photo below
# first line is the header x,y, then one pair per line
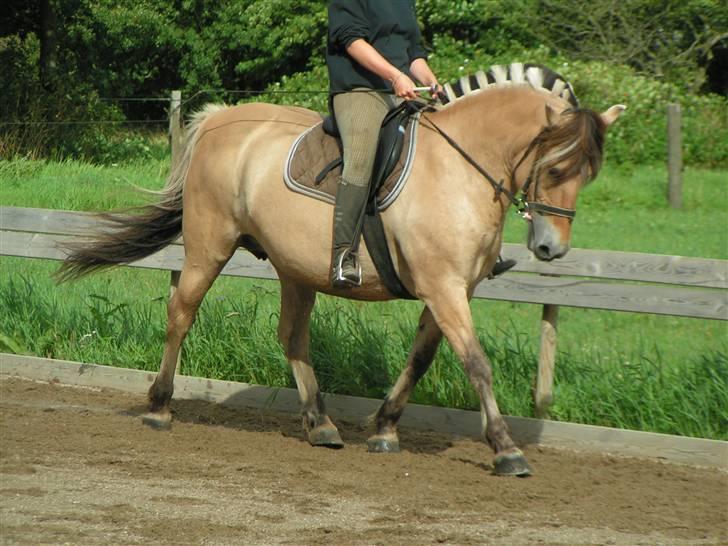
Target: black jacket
x,y
390,26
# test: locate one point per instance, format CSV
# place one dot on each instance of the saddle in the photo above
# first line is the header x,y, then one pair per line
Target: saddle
x,y
314,165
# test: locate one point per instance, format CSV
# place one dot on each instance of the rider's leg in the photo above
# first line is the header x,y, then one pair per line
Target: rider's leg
x,y
359,116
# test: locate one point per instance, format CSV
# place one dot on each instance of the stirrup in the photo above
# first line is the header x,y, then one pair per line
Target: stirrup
x,y
501,266
349,279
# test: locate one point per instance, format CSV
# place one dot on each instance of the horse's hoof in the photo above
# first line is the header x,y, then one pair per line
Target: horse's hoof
x,y
325,436
158,421
377,444
511,464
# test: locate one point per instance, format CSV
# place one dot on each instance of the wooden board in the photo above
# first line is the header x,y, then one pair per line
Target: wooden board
x,y
585,293
44,246
693,451
628,266
604,264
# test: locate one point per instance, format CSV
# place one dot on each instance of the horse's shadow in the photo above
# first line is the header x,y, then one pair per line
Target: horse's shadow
x,y
266,420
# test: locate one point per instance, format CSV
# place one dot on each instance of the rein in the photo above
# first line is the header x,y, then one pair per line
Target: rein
x,y
520,198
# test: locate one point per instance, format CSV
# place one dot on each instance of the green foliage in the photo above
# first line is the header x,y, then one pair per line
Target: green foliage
x,y
640,135
492,25
132,48
640,53
70,121
667,40
305,89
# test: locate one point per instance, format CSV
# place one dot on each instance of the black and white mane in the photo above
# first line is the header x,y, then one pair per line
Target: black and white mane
x,y
537,76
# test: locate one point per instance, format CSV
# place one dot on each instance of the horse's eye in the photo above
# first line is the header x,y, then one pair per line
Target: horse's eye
x,y
554,173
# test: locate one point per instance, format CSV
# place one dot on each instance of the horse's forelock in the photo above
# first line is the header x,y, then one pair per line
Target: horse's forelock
x,y
577,140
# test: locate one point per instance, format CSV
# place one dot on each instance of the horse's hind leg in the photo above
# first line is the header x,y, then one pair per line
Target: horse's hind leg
x,y
202,265
293,332
423,351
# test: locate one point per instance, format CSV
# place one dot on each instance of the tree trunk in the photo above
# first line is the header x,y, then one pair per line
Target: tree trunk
x,y
48,43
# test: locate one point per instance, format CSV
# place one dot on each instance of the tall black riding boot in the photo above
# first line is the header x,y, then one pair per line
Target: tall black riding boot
x,y
348,218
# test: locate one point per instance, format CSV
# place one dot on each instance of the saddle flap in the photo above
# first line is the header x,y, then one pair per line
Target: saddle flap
x,y
313,165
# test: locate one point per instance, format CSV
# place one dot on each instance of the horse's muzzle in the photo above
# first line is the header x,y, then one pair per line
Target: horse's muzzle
x,y
545,240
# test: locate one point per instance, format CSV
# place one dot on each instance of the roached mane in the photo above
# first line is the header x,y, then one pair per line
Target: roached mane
x,y
537,76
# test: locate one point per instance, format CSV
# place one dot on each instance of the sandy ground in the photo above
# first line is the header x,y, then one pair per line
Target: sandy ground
x,y
78,467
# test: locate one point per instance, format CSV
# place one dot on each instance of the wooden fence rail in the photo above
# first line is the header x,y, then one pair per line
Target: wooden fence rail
x,y
596,279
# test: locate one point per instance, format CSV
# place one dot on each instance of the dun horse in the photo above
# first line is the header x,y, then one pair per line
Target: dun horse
x,y
444,230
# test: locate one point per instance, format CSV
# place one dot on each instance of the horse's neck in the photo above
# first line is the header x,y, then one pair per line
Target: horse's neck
x,y
495,126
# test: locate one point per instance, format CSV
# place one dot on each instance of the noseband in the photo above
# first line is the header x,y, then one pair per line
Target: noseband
x,y
520,198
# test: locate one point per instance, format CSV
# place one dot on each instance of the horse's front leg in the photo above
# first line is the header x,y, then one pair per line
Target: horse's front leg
x,y
451,310
423,351
293,332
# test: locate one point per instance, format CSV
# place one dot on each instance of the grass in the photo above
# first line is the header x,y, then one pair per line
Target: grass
x,y
74,185
647,372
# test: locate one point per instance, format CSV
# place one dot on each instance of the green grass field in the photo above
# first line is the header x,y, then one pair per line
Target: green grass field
x,y
647,372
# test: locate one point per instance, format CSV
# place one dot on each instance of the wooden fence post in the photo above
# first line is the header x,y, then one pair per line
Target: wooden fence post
x,y
175,140
674,156
543,397
175,126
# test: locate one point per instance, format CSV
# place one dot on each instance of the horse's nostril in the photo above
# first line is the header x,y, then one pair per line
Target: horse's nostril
x,y
544,250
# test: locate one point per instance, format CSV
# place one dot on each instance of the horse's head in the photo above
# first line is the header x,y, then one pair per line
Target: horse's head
x,y
568,155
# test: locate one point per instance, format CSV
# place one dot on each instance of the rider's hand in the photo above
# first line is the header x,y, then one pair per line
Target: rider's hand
x,y
437,92
404,87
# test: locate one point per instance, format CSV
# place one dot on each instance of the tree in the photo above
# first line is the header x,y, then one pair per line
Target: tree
x,y
666,39
47,34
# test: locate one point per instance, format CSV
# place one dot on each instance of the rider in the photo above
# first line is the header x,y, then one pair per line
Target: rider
x,y
374,54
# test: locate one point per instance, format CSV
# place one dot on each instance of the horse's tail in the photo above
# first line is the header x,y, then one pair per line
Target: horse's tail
x,y
132,234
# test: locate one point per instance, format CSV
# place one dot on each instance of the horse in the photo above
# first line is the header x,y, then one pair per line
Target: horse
x,y
522,127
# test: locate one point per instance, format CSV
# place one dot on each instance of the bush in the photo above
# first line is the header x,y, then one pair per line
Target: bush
x,y
69,121
491,25
641,134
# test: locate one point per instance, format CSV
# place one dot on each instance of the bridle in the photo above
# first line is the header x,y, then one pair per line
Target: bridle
x,y
519,199
526,207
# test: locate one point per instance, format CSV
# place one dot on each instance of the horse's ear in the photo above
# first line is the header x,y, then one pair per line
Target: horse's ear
x,y
551,115
611,115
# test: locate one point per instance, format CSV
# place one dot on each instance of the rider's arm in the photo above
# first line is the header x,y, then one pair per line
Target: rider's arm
x,y
421,70
368,57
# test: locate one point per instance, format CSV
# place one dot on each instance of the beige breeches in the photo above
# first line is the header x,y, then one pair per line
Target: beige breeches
x,y
359,117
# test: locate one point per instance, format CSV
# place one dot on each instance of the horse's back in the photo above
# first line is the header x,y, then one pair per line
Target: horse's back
x,y
233,117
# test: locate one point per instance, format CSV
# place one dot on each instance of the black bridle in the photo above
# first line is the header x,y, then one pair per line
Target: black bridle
x,y
520,198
